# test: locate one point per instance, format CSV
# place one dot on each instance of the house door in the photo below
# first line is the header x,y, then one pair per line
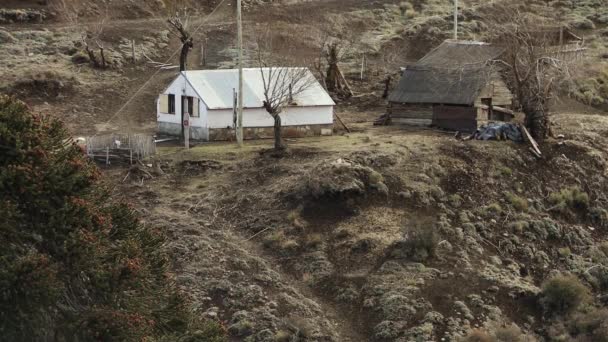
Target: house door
x,y
187,102
488,102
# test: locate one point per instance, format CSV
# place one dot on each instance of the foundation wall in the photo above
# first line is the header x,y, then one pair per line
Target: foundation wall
x,y
252,133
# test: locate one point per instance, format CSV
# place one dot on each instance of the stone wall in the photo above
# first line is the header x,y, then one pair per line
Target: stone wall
x,y
175,130
251,133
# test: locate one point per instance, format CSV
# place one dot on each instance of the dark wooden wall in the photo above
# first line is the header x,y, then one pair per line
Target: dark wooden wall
x,y
456,118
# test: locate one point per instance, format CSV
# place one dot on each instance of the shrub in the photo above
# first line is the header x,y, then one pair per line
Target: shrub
x,y
504,171
493,209
583,24
496,333
563,294
405,7
74,263
592,325
511,333
455,200
519,203
599,216
569,198
80,57
518,227
420,244
477,336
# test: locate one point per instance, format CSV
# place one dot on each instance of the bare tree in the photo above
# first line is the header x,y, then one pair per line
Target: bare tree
x,y
392,59
282,79
531,66
94,35
70,10
180,25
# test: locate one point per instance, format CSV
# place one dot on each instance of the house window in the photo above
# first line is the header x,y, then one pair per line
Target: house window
x,y
171,104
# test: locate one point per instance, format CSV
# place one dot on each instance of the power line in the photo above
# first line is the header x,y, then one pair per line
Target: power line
x,y
157,71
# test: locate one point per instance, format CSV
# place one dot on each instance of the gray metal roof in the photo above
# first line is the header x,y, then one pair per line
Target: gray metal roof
x,y
216,88
453,73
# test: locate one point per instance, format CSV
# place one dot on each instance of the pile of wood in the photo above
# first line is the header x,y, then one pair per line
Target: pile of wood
x,y
335,80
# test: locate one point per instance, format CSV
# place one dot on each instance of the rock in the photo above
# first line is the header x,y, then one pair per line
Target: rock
x,y
212,312
404,194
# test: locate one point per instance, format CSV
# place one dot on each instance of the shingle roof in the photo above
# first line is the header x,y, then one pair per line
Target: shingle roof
x,y
453,73
216,88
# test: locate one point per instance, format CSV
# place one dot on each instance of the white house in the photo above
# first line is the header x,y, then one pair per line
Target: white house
x,y
210,96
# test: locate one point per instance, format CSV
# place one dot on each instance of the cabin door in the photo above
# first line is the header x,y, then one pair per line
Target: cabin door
x,y
187,103
488,102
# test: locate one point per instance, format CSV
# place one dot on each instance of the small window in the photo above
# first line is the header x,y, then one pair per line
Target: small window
x,y
171,104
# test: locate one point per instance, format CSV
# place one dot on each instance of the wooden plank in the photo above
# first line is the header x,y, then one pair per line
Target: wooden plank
x,y
531,141
413,122
342,122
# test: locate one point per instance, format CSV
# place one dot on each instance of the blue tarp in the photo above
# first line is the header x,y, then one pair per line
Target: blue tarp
x,y
499,131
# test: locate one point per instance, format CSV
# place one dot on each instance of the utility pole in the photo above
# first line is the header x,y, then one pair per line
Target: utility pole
x,y
239,115
455,19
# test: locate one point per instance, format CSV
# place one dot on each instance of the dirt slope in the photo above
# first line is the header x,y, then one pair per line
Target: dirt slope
x,y
314,244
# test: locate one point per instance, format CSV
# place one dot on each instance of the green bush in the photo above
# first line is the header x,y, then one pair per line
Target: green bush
x,y
74,263
563,294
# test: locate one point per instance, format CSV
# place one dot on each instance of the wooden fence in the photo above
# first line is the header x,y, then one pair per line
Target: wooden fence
x,y
120,148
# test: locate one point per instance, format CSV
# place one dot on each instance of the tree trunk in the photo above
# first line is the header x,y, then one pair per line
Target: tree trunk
x,y
183,58
91,55
278,139
538,124
103,58
331,79
387,86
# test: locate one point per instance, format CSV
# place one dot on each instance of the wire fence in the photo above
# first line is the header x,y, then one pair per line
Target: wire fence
x,y
119,148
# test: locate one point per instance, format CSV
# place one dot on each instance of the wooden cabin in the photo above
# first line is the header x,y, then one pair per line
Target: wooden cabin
x,y
453,87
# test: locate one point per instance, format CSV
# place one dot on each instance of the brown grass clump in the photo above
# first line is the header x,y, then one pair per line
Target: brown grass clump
x,y
519,203
563,294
